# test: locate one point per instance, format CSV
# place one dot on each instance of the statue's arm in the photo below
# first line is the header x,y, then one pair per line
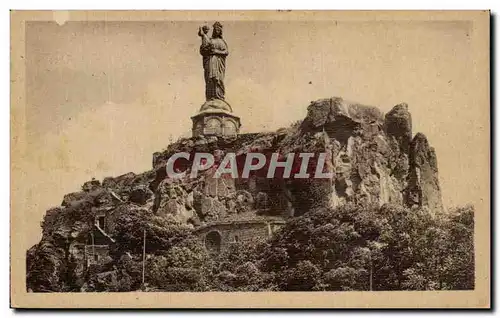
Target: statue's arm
x,y
220,52
224,51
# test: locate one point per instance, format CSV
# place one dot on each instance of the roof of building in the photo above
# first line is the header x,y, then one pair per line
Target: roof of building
x,y
245,218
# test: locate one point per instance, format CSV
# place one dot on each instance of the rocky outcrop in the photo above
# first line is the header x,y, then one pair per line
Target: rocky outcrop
x,y
331,111
373,159
342,119
423,182
140,194
369,154
398,126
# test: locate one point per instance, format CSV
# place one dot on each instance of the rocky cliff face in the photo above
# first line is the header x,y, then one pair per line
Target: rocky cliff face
x,y
374,159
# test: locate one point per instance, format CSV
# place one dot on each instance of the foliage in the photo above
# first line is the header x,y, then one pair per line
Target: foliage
x,y
367,247
161,233
351,247
45,268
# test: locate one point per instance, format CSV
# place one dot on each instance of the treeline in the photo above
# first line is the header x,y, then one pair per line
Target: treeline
x,y
347,248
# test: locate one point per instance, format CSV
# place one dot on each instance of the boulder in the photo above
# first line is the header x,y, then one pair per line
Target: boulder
x,y
73,197
327,111
342,119
91,185
210,209
140,194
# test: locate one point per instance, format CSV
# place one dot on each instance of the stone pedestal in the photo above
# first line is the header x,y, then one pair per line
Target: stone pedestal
x,y
215,118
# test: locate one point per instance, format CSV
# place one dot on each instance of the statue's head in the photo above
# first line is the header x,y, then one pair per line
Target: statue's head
x,y
217,30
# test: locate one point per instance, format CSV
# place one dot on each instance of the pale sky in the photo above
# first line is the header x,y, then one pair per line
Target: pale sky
x,y
102,97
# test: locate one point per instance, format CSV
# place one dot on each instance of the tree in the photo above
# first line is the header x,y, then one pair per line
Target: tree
x,y
161,233
356,247
459,273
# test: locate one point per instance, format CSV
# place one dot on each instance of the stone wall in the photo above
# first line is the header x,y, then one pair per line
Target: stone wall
x,y
219,236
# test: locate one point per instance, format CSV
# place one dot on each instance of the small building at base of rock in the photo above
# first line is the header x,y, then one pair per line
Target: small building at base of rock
x,y
219,236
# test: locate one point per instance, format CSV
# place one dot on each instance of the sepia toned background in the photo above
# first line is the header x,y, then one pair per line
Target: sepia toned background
x,y
98,93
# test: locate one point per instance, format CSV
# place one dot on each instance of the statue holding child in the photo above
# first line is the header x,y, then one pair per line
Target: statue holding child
x,y
214,51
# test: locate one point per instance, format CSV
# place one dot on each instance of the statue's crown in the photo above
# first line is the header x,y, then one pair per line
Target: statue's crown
x,y
217,24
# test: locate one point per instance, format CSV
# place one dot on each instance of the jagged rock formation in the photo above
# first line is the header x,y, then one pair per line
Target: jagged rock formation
x,y
423,183
374,159
398,126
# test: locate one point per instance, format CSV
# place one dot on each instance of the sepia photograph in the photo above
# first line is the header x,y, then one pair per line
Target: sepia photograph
x,y
250,159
